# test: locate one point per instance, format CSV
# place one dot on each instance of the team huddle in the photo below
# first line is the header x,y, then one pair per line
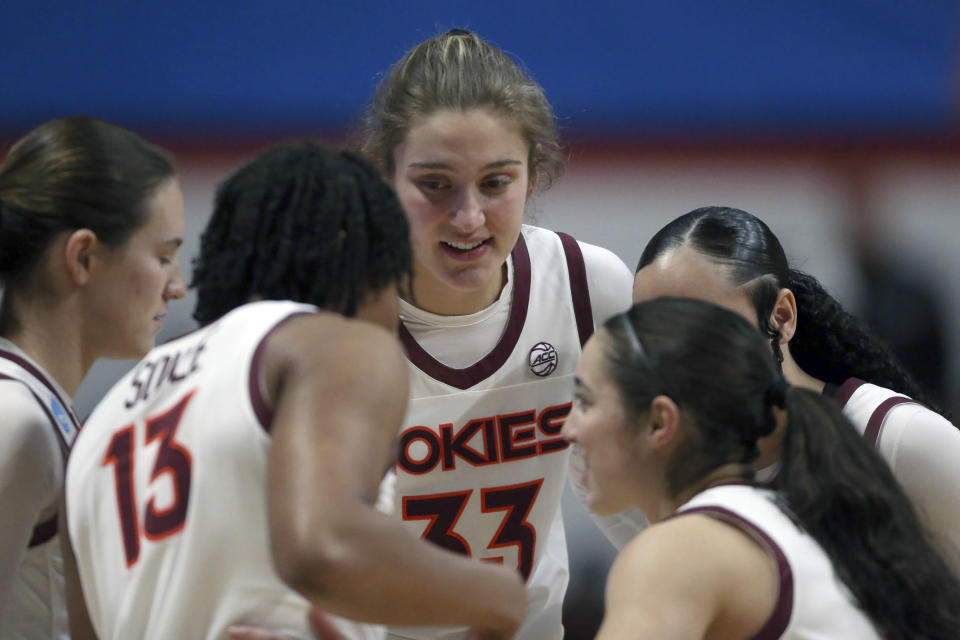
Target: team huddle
x,y
394,377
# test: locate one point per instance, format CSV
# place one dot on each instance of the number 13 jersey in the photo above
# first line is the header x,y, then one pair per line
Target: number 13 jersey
x,y
167,497
481,462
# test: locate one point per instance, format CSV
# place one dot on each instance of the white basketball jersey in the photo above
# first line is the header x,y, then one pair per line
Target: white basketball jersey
x,y
920,446
813,603
166,492
36,608
482,463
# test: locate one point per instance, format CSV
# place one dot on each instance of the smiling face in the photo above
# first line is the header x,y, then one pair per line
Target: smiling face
x,y
127,296
609,439
463,180
685,273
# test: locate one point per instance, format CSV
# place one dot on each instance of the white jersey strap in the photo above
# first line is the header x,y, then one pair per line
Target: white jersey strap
x,y
59,413
62,419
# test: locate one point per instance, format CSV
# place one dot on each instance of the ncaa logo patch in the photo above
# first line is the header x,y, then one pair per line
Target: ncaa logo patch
x,y
543,359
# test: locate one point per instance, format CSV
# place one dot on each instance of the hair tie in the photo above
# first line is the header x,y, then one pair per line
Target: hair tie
x,y
777,392
459,32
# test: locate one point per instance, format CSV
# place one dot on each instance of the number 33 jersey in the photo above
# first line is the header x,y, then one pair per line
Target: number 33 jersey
x,y
481,462
166,492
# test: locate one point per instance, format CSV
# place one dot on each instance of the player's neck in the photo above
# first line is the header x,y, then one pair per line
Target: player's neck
x,y
51,338
733,473
797,376
430,294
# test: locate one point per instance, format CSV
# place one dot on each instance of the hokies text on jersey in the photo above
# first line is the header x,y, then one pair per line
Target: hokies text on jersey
x,y
483,441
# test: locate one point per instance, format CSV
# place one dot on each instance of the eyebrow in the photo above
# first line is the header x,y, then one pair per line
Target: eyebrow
x,y
443,165
174,242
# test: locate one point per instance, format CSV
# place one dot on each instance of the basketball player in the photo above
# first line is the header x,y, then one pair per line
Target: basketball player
x,y
91,218
732,258
231,477
494,322
672,398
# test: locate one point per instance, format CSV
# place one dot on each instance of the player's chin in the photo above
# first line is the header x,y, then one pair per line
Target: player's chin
x,y
473,277
597,504
141,344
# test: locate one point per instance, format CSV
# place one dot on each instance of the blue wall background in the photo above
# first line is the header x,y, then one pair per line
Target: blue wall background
x,y
218,69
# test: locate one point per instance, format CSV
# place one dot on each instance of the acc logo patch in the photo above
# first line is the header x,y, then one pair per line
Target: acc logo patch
x,y
543,359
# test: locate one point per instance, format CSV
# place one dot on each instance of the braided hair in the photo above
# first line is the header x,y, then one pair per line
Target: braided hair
x,y
301,222
829,343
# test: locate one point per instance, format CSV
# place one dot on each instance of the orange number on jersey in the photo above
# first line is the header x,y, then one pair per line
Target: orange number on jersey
x,y
172,458
443,511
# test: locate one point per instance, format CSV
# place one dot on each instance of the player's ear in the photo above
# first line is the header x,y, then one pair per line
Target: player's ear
x,y
663,425
783,318
78,254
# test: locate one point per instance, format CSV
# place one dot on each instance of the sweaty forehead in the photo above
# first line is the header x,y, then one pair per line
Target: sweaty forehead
x,y
685,273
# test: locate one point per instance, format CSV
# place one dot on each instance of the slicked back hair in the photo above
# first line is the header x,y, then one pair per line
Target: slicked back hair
x,y
829,343
718,370
75,172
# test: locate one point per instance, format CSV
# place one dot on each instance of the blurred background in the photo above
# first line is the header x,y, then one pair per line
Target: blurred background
x,y
836,121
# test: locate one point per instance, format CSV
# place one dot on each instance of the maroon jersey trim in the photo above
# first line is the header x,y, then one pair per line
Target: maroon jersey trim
x,y
490,363
261,407
872,432
579,290
64,447
44,380
779,618
846,391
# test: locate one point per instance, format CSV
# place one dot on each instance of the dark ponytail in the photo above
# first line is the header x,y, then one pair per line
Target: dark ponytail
x,y
846,497
829,344
718,370
833,345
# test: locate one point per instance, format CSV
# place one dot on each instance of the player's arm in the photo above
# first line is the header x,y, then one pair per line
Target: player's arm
x,y
28,478
81,628
340,390
923,448
685,578
609,282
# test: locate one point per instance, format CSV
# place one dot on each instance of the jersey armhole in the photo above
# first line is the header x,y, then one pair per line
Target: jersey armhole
x,y
44,531
779,618
256,384
579,288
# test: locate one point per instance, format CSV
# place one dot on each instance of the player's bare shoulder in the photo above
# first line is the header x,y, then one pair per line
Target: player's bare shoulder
x,y
359,352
